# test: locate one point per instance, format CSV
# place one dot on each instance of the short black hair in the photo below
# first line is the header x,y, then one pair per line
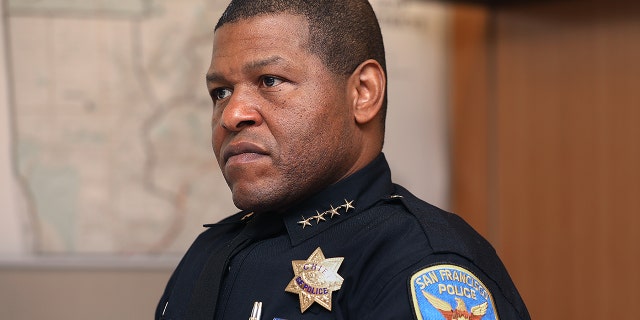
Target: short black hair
x,y
343,33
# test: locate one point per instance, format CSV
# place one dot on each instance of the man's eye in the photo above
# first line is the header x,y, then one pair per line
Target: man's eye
x,y
220,93
270,81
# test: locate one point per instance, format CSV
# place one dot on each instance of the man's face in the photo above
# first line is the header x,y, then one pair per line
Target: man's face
x,y
282,123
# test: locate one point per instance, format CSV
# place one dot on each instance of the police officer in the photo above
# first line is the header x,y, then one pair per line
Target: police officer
x,y
299,102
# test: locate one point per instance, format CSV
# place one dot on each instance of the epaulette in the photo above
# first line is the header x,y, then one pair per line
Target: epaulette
x,y
448,233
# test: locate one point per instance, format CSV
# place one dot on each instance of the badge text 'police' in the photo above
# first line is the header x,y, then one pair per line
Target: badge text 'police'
x,y
468,286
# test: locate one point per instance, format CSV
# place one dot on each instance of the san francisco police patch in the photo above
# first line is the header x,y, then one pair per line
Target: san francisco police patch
x,y
450,292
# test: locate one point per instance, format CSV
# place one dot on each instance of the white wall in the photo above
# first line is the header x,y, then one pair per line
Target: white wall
x,y
10,228
78,294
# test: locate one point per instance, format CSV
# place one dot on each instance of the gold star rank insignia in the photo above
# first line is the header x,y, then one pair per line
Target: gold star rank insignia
x,y
315,280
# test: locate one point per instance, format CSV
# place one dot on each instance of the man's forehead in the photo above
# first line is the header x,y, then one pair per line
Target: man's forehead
x,y
262,39
276,28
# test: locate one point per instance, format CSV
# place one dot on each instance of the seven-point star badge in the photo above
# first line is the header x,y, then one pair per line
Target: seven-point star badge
x,y
315,280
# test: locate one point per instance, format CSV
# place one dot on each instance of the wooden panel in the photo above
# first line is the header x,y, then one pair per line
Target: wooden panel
x,y
568,158
469,115
564,177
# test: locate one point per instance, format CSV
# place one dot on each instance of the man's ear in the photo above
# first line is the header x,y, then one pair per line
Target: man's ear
x,y
367,88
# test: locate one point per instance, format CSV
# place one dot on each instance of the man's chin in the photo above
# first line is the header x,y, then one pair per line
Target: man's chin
x,y
258,199
250,200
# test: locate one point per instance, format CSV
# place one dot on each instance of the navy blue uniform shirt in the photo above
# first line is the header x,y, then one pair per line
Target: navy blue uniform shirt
x,y
385,235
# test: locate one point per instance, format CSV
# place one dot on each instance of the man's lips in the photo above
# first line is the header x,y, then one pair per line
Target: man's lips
x,y
243,151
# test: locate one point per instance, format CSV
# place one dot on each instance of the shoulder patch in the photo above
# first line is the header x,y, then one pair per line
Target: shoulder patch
x,y
450,292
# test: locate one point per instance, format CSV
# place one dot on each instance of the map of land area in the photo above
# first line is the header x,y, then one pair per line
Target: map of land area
x,y
111,144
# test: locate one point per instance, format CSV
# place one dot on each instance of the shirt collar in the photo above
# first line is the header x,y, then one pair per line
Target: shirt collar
x,y
340,201
331,206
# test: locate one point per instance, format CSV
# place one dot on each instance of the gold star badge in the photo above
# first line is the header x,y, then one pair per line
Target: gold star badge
x,y
315,280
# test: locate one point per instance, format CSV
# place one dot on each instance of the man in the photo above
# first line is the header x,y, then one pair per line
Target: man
x,y
299,101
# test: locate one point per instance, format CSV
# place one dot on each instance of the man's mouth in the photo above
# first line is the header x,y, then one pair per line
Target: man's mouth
x,y
243,152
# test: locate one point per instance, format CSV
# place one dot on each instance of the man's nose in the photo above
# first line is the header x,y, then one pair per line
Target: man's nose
x,y
240,112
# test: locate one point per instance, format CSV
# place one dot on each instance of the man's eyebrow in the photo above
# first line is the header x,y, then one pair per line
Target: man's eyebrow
x,y
253,65
214,77
262,63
